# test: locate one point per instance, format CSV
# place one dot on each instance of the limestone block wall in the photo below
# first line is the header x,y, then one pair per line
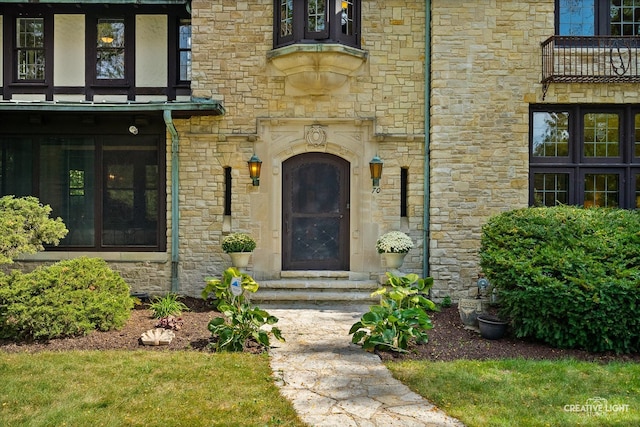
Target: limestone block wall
x,y
485,71
231,40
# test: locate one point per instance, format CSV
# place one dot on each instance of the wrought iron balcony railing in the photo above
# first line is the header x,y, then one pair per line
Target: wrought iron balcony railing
x,y
598,59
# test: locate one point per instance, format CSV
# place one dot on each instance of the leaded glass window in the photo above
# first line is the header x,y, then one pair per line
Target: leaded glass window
x,y
30,48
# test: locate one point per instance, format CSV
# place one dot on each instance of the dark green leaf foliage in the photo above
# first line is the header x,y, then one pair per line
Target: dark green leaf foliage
x,y
243,321
567,276
400,317
69,298
168,305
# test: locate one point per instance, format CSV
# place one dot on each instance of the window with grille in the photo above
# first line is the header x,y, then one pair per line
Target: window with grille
x,y
30,49
316,21
585,155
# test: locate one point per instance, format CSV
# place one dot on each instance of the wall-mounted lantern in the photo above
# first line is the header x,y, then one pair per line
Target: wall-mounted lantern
x,y
254,169
375,166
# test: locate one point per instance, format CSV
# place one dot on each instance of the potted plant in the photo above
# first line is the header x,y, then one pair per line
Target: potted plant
x,y
394,246
239,247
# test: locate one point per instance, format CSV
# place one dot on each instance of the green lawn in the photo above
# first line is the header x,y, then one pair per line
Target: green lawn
x,y
142,388
528,393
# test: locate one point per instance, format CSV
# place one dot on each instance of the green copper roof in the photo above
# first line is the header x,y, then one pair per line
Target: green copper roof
x,y
184,108
99,2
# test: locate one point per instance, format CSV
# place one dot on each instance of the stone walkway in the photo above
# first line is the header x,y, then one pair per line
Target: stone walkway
x,y
332,382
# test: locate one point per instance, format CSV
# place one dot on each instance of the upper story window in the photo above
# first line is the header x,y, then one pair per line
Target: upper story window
x,y
184,50
110,53
316,21
30,48
598,17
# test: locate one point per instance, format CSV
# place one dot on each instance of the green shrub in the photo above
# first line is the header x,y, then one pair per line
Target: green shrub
x,y
68,298
567,276
25,226
400,317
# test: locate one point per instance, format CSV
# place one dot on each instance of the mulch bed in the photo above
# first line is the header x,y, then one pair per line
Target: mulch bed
x,y
448,340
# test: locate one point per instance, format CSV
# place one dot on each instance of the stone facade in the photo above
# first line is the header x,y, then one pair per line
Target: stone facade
x,y
380,110
485,73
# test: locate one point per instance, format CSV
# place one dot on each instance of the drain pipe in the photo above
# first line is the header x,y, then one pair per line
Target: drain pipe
x,y
427,135
175,219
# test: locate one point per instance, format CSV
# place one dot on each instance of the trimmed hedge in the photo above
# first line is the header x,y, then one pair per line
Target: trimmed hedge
x,y
567,276
69,298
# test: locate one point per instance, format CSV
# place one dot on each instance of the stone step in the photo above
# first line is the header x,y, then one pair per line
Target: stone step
x,y
316,286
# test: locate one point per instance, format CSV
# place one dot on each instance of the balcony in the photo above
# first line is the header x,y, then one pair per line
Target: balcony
x,y
598,59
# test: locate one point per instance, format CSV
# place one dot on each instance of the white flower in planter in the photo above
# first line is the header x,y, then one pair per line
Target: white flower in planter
x,y
394,242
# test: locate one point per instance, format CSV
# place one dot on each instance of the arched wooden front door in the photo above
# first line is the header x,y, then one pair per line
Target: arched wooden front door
x,y
315,212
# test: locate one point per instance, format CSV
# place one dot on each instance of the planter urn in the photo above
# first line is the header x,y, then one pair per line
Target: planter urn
x,y
491,327
240,259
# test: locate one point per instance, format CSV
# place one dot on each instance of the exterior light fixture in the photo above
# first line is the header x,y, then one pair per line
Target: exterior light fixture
x,y
375,166
254,169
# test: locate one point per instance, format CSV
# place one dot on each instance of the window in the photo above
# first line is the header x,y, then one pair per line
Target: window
x,y
30,49
598,17
585,155
110,53
316,21
184,50
108,189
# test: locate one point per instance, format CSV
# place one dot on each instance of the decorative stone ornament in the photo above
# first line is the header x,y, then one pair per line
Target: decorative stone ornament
x,y
316,136
158,336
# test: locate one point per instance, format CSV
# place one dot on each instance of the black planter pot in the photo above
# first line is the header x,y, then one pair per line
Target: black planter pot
x,y
491,327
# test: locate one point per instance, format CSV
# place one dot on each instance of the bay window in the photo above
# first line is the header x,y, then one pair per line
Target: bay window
x,y
316,21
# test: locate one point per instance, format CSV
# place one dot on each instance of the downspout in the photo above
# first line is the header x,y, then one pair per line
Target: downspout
x,y
175,219
427,135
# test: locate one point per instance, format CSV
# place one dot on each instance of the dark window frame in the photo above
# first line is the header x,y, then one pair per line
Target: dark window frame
x,y
110,128
331,34
11,83
124,86
627,165
602,19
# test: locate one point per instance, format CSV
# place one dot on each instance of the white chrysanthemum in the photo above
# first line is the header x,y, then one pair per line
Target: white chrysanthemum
x,y
394,242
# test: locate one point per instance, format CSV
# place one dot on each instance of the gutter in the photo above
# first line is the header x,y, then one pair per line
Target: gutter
x,y
175,212
427,137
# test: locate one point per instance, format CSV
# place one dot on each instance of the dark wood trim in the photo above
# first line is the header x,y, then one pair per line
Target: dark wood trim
x,y
333,32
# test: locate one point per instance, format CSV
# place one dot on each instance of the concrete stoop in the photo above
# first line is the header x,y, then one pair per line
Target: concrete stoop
x,y
316,287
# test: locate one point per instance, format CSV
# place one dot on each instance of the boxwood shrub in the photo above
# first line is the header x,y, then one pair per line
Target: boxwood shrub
x,y
567,276
68,298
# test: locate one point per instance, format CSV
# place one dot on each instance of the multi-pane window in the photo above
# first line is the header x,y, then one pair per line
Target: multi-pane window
x,y
316,21
110,49
108,188
598,17
184,50
585,155
30,48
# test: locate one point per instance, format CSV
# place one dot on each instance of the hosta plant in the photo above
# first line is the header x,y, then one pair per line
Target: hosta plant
x,y
400,317
243,323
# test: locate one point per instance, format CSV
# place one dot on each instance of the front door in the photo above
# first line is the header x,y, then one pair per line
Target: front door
x,y
315,213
